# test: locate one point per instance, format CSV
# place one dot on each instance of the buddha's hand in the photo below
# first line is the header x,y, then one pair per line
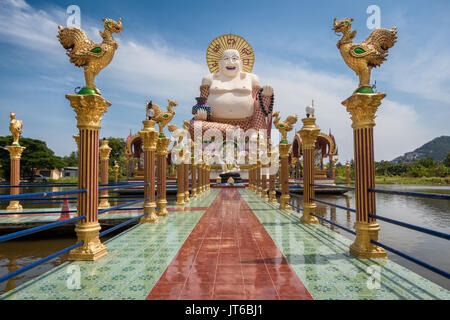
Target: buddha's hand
x,y
201,115
267,91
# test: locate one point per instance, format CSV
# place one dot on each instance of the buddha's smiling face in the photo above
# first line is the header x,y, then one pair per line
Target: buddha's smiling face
x,y
230,65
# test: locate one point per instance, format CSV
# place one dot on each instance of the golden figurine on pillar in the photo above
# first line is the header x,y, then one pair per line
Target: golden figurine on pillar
x,y
362,106
308,133
362,57
284,127
149,138
162,119
15,154
89,107
93,57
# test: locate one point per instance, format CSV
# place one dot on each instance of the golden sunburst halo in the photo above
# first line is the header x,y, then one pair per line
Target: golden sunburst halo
x,y
230,41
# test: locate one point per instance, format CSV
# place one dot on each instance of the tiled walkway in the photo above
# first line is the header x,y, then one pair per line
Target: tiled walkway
x,y
241,247
229,255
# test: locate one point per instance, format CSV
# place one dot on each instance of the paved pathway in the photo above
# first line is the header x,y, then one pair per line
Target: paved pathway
x,y
229,255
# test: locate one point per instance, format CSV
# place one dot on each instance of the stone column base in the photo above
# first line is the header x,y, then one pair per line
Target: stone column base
x,y
264,194
273,196
151,217
306,217
284,202
104,204
92,249
161,204
362,247
14,206
180,199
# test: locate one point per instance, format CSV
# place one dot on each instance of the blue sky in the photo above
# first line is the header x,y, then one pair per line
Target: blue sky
x,y
162,55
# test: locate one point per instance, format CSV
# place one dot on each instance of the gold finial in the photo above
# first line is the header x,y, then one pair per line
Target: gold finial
x,y
364,56
93,57
285,126
15,126
163,118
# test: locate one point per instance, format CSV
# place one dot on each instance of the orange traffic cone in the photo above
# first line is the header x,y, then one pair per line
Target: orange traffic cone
x,y
65,214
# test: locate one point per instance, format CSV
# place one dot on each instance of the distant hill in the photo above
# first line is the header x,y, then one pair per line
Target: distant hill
x,y
436,149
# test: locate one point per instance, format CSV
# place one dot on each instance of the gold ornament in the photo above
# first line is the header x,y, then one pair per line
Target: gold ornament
x,y
104,150
93,57
285,126
15,126
163,118
89,109
230,41
371,53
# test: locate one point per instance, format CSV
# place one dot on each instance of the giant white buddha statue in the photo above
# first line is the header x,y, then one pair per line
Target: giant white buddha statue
x,y
233,93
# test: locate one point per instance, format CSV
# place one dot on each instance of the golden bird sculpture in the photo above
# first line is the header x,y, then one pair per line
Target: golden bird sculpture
x,y
93,57
15,126
370,53
163,118
285,126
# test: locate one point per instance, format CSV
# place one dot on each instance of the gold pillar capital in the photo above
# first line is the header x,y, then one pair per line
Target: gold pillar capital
x,y
309,133
284,149
162,145
15,152
89,109
77,139
104,150
149,138
362,108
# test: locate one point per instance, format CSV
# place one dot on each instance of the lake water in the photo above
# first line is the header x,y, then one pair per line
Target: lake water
x,y
428,213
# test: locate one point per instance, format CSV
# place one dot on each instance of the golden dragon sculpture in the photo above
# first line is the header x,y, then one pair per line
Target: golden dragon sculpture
x,y
371,53
163,118
15,126
93,57
285,126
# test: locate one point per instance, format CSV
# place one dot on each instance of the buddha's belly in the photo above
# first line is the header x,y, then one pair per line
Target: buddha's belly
x,y
231,105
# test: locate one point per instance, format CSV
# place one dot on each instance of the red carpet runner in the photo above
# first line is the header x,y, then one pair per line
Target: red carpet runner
x,y
229,256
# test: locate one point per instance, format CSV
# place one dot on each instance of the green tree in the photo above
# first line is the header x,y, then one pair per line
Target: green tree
x,y
117,146
36,156
71,160
447,160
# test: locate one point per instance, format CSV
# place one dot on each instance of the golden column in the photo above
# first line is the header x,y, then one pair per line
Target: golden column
x,y
15,153
203,169
180,179
104,151
116,172
272,178
161,149
284,175
149,138
258,177
308,133
362,107
208,177
264,189
347,174
186,177
89,109
193,173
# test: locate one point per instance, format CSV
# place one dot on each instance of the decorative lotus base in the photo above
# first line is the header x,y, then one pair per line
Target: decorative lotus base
x,y
306,217
104,204
284,202
14,206
362,247
92,249
162,205
151,217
